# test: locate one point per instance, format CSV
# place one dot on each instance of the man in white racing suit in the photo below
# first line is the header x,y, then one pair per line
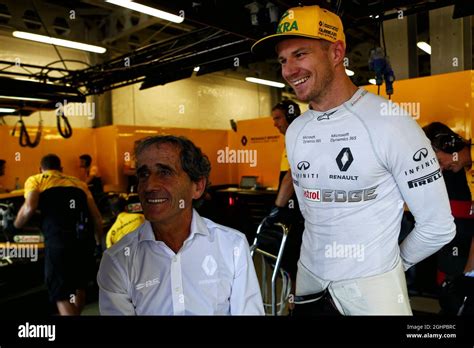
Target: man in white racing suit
x,y
354,164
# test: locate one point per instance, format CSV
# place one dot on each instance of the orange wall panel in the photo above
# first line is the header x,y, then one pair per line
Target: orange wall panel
x,y
267,143
25,161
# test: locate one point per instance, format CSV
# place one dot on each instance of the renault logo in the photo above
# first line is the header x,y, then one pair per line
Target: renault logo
x,y
303,165
344,159
420,154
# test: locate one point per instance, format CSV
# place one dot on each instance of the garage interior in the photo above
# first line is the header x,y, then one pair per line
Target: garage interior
x,y
191,78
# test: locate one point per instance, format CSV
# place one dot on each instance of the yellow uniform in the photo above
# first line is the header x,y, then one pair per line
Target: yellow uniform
x,y
125,223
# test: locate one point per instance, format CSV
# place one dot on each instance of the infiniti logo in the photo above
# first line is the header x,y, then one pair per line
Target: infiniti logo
x,y
303,165
420,154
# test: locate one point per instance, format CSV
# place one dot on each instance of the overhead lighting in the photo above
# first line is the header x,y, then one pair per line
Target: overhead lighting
x,y
147,10
372,81
196,69
59,42
6,110
424,47
265,82
350,72
23,98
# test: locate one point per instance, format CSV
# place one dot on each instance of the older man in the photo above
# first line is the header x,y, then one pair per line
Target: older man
x,y
177,263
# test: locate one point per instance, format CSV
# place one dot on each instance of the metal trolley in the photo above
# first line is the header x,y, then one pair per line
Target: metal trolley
x,y
270,243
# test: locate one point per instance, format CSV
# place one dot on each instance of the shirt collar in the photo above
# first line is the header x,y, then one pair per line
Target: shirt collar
x,y
198,226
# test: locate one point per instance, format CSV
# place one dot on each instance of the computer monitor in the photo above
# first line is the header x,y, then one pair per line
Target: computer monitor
x,y
248,182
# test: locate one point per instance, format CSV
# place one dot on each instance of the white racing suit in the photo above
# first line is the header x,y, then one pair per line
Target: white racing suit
x,y
353,168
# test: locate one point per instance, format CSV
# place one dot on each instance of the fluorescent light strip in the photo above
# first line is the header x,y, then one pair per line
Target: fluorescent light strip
x,y
424,47
350,72
265,82
58,42
23,98
3,110
147,10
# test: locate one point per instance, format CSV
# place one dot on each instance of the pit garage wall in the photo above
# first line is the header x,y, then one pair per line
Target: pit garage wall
x,y
25,161
448,98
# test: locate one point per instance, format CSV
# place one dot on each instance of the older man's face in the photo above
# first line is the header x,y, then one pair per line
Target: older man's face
x,y
166,191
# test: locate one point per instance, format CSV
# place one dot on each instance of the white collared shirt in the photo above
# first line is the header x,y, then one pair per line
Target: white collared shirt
x,y
212,274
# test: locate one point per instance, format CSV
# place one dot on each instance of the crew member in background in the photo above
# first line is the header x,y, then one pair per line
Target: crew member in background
x,y
69,222
352,170
90,174
286,209
456,257
130,217
2,173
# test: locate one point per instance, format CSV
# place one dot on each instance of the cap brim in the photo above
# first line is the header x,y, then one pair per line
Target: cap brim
x,y
266,46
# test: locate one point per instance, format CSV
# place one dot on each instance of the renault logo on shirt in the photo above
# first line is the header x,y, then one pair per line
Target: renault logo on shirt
x,y
209,265
344,159
303,165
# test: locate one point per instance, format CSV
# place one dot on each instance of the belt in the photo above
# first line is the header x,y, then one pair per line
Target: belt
x,y
310,297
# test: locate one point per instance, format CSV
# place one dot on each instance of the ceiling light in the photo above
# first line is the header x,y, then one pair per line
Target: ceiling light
x,y
372,81
350,72
147,10
59,42
424,47
23,98
4,110
196,69
265,82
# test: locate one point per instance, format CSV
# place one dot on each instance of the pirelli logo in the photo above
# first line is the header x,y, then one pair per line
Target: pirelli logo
x,y
425,180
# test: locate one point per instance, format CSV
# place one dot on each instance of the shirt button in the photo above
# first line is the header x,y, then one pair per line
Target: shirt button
x,y
177,289
175,259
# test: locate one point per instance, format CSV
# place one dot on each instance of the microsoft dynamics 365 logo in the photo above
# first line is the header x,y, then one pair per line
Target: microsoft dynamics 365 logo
x,y
344,159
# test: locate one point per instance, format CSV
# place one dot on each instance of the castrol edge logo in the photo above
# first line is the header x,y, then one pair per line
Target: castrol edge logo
x,y
312,195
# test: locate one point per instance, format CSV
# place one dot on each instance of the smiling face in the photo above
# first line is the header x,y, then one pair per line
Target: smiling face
x,y
306,66
166,191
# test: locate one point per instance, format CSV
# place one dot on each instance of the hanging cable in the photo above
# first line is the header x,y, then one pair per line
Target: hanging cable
x,y
67,131
25,140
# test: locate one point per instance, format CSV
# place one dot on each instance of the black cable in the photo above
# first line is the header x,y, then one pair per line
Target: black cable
x,y
47,32
25,140
67,131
